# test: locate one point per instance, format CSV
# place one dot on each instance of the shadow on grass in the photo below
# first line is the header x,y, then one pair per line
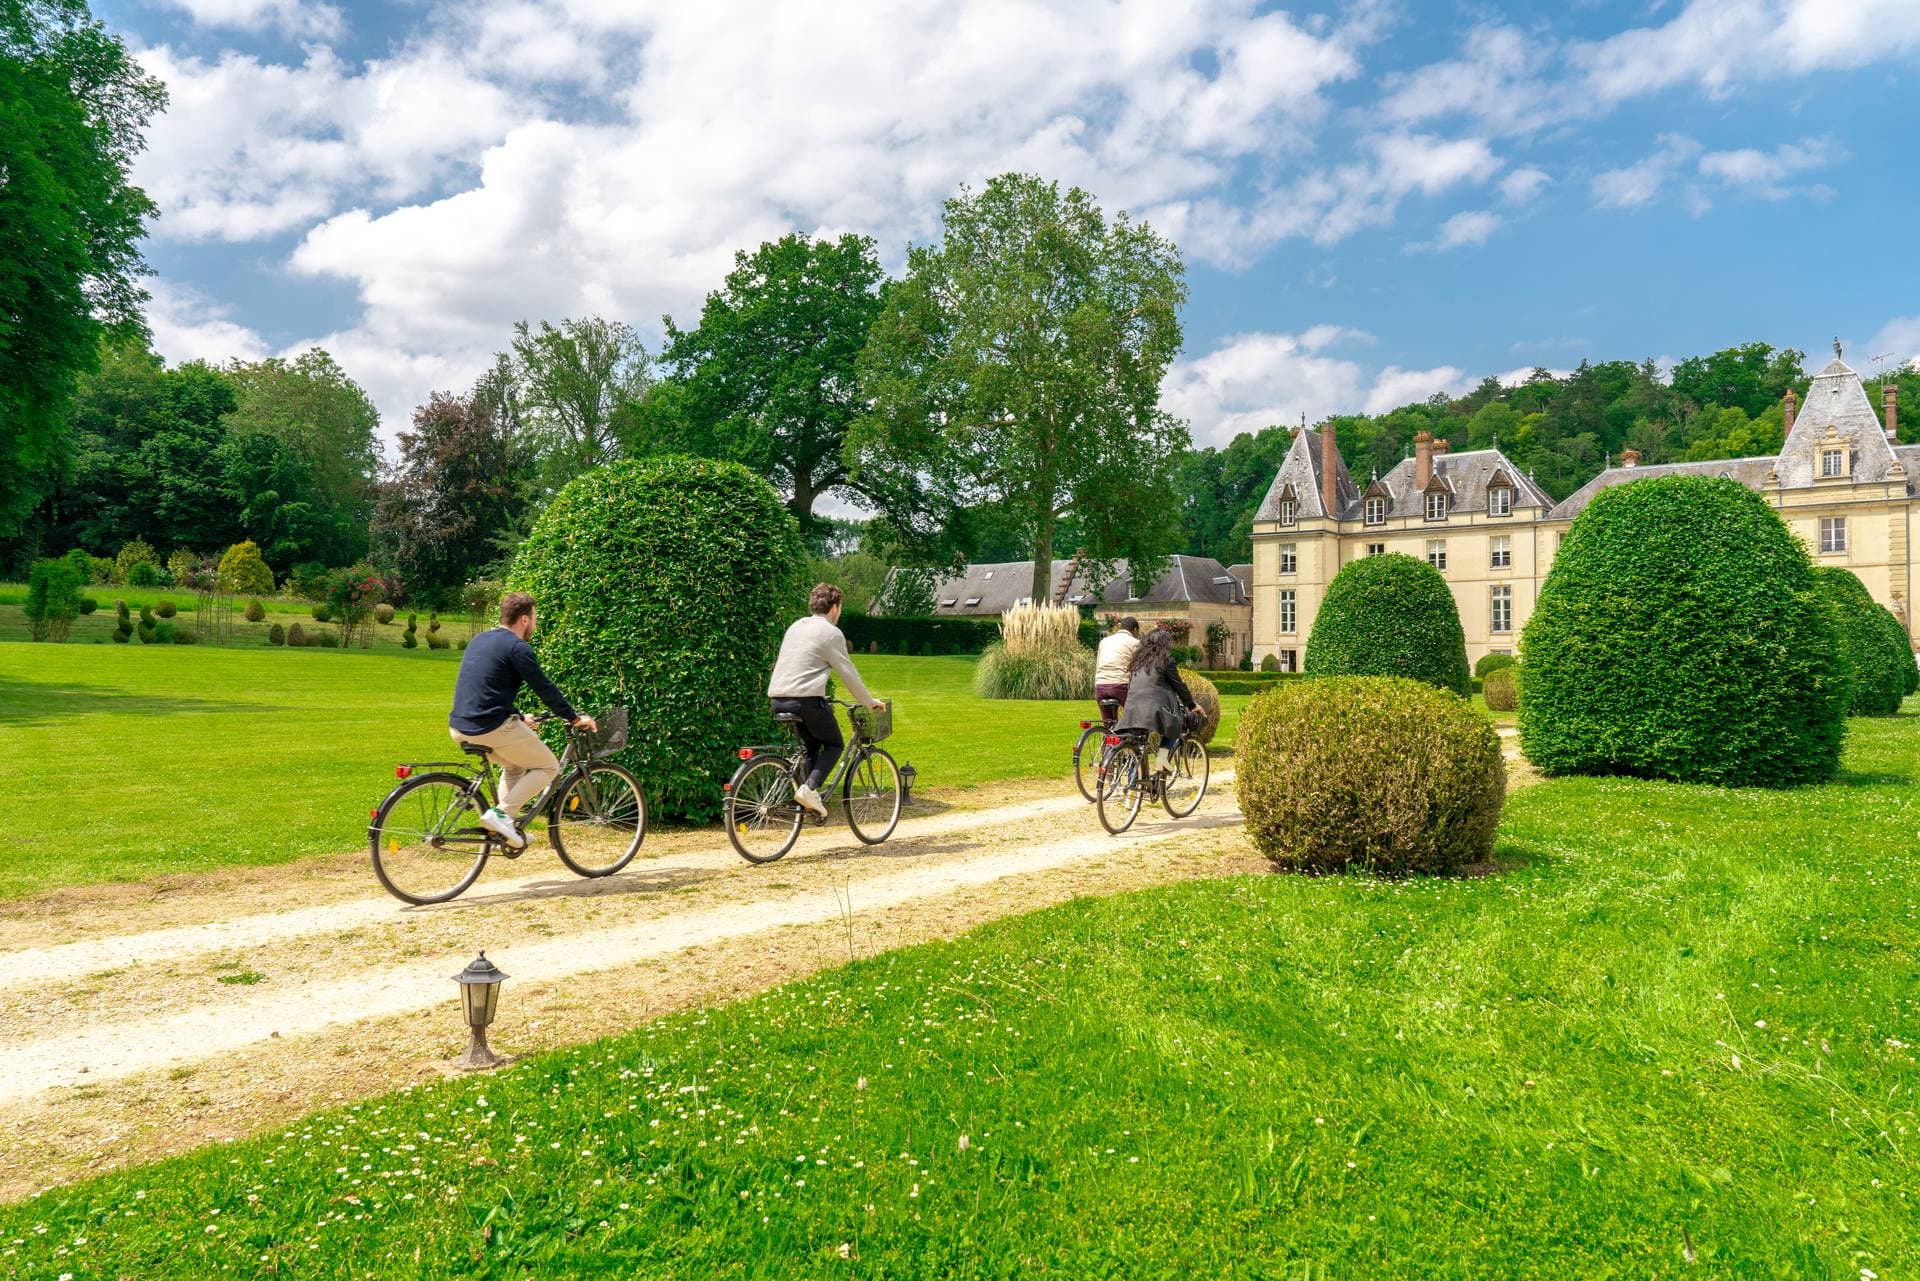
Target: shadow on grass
x,y
26,703
1871,778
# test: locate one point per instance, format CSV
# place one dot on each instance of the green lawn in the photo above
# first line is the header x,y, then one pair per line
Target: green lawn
x,y
1673,1038
141,761
97,628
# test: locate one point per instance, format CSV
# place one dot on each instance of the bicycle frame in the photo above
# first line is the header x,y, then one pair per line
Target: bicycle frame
x,y
482,771
794,750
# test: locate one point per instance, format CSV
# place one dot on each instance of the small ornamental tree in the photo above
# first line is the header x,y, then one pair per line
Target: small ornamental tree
x,y
244,573
1390,615
133,554
53,599
664,584
1876,655
352,594
1370,773
1679,635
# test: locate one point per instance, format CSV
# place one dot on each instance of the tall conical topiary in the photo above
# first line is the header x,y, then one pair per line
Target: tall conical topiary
x,y
1876,653
665,584
1679,635
1390,615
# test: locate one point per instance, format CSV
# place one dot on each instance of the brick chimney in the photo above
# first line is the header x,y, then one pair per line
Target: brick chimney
x,y
1329,464
1439,448
1789,402
1422,459
1890,401
1629,458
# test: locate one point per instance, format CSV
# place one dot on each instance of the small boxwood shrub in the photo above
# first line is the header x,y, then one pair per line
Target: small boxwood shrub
x,y
1876,655
53,598
328,639
1374,773
163,633
687,641
1271,663
1679,635
410,639
946,635
185,636
277,635
1501,689
123,623
88,605
256,612
1208,698
1492,663
166,609
1390,615
132,555
436,641
296,637
321,611
383,613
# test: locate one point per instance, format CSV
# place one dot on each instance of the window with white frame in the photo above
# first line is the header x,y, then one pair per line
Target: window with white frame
x,y
1289,558
1289,511
1500,611
1437,552
1501,556
1833,533
1437,505
1289,613
1500,501
1376,512
1289,660
1833,462
1376,549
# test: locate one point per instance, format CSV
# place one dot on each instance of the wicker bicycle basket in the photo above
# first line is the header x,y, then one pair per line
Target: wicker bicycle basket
x,y
612,734
872,726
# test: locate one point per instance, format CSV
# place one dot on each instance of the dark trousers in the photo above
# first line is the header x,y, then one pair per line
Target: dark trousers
x,y
819,734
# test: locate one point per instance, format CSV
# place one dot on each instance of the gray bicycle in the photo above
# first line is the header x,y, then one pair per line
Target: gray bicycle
x,y
763,818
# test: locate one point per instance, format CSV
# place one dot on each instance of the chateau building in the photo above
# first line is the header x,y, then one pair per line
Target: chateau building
x,y
1840,482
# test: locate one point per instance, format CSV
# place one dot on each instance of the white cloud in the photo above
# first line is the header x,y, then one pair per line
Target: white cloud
x,y
1642,182
1394,386
1763,173
295,19
187,325
1898,339
1460,231
1522,185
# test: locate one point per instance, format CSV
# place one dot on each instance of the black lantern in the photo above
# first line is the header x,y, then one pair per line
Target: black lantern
x,y
479,999
907,775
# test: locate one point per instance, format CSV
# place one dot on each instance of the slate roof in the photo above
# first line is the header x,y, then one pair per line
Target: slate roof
x,y
1245,574
993,589
1301,470
989,588
1751,472
1467,476
1835,398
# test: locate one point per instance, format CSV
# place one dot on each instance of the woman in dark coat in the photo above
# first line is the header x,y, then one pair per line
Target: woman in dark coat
x,y
1157,699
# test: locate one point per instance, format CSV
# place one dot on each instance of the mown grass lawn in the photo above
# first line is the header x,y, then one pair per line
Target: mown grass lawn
x,y
97,628
139,761
1673,1038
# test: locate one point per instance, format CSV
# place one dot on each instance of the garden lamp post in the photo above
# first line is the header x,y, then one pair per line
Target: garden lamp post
x,y
907,774
479,999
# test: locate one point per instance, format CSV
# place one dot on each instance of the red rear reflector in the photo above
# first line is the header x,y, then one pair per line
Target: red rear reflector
x,y
746,753
373,813
402,771
1086,724
1113,740
727,788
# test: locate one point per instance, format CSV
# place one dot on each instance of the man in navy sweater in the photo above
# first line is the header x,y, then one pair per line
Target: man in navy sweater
x,y
496,664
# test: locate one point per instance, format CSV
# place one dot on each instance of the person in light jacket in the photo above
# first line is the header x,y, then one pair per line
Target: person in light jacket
x,y
1157,699
812,648
1113,662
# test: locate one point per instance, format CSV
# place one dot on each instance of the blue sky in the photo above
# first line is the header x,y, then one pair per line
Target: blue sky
x,y
1376,200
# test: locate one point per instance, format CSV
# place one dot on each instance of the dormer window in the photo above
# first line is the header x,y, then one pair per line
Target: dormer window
x,y
1289,511
1376,511
1833,462
1437,505
1500,502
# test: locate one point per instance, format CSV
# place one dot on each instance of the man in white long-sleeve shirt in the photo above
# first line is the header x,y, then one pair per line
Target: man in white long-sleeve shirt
x,y
812,649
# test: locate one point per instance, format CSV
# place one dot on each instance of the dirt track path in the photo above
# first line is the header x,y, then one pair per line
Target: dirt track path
x,y
135,1021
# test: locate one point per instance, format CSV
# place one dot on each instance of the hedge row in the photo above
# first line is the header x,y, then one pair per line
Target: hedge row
x,y
917,635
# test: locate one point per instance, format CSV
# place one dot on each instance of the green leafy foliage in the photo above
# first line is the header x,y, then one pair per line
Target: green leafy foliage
x,y
166,609
256,612
1271,663
163,634
1501,689
912,635
1207,695
383,613
133,554
296,637
123,624
53,599
1875,654
277,635
1390,615
243,572
322,611
1381,774
1680,635
88,605
327,638
1490,663
664,584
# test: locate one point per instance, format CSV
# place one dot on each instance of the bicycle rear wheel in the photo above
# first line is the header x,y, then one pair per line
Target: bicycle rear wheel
x,y
1086,763
872,795
762,817
428,845
598,819
1123,782
1188,782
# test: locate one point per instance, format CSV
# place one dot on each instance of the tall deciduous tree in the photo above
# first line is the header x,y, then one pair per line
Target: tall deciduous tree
x,y
568,382
72,108
326,421
768,377
1018,365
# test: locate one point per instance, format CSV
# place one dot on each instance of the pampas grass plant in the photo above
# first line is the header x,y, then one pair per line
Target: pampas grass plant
x,y
1038,656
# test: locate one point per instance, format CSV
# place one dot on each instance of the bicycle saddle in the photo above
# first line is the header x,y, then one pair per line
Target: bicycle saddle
x,y
476,749
787,718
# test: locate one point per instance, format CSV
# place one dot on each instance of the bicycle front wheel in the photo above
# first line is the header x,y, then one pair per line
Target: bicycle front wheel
x,y
762,817
428,845
1188,782
1086,760
598,819
872,794
1123,781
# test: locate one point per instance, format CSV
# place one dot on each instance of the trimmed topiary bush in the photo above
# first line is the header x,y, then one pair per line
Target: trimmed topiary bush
x,y
162,634
328,639
1207,695
185,636
1877,656
296,637
410,639
123,623
166,609
383,613
1501,689
243,572
256,612
321,611
1679,635
1490,663
436,641
277,635
132,555
665,584
1271,663
1373,773
1390,615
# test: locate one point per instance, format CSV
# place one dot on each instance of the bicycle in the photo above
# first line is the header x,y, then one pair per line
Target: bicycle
x,y
1086,771
763,818
427,842
1127,778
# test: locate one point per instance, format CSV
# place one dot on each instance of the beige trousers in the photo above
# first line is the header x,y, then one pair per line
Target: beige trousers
x,y
526,763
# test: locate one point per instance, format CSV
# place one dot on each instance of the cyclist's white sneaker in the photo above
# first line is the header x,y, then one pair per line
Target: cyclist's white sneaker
x,y
810,800
498,822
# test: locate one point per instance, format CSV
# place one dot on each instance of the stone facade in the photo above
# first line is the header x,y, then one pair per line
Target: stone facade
x,y
1840,482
